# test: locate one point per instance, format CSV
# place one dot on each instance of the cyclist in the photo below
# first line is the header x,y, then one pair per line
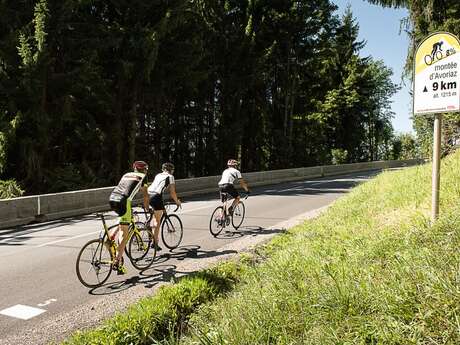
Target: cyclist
x,y
436,48
229,176
120,202
164,180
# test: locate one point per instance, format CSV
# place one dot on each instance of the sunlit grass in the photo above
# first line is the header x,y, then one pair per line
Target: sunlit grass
x,y
371,270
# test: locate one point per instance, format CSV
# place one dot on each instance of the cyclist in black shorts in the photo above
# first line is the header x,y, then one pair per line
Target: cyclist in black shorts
x,y
120,202
229,176
164,180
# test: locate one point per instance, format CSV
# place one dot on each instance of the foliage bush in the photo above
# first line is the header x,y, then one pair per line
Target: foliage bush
x,y
10,189
339,156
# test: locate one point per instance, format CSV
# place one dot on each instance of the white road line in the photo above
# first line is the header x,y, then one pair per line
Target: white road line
x,y
67,239
47,302
196,209
22,312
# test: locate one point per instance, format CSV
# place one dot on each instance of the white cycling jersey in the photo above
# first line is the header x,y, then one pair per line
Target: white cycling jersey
x,y
229,176
161,182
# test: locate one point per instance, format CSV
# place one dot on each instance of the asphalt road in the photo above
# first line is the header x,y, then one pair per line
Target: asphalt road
x,y
41,299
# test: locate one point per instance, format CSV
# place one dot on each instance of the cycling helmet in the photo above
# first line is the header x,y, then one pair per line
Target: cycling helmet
x,y
167,166
232,163
140,166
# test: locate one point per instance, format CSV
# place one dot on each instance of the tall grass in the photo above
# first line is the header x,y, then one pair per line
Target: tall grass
x,y
371,270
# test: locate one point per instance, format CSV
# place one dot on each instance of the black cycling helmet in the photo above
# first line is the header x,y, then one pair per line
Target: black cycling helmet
x,y
140,166
167,166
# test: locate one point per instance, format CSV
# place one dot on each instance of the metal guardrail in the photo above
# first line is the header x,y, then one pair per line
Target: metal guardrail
x,y
37,208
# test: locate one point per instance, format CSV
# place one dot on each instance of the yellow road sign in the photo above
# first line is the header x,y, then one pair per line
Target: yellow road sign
x,y
437,74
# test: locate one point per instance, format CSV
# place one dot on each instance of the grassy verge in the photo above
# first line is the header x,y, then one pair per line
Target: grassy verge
x,y
165,314
371,270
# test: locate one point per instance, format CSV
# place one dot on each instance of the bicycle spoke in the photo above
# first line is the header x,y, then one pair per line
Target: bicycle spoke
x,y
238,215
172,231
217,222
94,264
139,246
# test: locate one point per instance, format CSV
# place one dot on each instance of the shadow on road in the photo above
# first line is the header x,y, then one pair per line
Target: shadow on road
x,y
164,268
160,271
247,231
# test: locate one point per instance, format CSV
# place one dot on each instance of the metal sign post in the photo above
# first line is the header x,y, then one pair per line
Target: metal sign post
x,y
435,179
437,91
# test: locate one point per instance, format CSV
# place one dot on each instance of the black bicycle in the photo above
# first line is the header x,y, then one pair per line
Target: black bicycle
x,y
221,217
172,230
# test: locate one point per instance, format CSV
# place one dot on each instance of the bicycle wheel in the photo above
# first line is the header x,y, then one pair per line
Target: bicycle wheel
x,y
238,215
172,231
439,55
217,222
94,263
139,246
428,60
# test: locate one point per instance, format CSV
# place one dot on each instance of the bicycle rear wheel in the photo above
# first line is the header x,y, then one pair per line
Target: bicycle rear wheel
x,y
172,231
94,263
139,246
217,222
238,215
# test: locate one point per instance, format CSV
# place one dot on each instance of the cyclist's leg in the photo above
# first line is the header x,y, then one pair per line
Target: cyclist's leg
x,y
125,220
223,198
156,219
156,201
236,197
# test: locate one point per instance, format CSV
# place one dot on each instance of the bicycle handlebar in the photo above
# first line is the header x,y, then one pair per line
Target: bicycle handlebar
x,y
150,211
177,206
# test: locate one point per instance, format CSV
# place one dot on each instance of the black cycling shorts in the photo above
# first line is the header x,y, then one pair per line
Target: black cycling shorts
x,y
118,203
156,201
229,189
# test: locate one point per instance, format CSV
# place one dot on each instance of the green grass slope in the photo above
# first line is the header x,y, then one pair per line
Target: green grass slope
x,y
371,270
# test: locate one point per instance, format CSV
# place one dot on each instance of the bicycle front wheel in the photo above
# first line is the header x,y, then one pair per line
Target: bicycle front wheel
x,y
172,231
139,246
94,263
238,215
217,222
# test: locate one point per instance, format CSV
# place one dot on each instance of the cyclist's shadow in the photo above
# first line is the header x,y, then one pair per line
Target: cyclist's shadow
x,y
160,271
249,230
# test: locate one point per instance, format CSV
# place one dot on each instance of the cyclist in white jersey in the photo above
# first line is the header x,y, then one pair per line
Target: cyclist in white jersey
x,y
163,181
229,176
120,201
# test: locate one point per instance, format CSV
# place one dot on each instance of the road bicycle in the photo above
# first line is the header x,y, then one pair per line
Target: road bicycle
x,y
171,227
95,261
221,217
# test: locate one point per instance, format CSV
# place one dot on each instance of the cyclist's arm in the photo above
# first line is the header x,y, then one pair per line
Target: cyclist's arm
x,y
244,184
172,191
